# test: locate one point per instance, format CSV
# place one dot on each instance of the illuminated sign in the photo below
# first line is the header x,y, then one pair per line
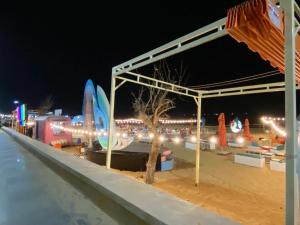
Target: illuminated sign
x,y
21,114
236,126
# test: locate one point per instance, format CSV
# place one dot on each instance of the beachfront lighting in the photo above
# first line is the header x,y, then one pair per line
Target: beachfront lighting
x,y
213,140
273,118
161,138
240,140
176,140
163,121
193,139
273,125
6,115
151,135
30,123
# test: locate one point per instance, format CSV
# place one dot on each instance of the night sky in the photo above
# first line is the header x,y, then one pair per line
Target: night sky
x,y
54,51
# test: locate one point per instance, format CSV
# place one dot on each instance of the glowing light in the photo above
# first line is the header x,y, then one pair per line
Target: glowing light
x,y
151,135
105,133
124,135
140,136
193,139
240,140
163,121
118,134
176,140
274,126
213,140
161,138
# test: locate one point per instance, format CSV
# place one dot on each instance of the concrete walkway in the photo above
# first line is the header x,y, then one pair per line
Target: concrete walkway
x,y
32,194
146,202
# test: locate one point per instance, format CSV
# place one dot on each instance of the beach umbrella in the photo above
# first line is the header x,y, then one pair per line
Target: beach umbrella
x,y
222,131
247,129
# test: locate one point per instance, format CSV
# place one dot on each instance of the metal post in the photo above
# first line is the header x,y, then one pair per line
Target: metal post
x,y
290,113
197,178
111,121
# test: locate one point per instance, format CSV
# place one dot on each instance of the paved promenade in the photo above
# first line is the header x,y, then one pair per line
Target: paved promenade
x,y
32,194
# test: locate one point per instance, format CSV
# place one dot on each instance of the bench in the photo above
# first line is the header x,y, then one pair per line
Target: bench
x,y
255,160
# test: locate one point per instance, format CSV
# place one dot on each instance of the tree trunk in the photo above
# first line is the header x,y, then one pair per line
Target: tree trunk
x,y
151,164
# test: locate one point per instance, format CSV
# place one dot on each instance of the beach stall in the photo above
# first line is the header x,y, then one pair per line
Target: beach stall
x,y
45,133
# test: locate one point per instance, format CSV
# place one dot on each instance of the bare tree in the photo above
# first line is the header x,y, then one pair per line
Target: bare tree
x,y
150,105
45,105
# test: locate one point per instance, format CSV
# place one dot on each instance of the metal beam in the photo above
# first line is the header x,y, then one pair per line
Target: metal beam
x,y
155,83
198,137
246,90
203,35
111,122
297,9
290,114
120,84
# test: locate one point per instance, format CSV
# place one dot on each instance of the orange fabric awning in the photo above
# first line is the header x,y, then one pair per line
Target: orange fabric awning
x,y
260,25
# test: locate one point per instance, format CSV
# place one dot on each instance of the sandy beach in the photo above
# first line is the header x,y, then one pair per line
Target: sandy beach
x,y
246,194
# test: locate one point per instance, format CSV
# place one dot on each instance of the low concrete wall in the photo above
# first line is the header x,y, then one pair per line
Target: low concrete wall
x,y
146,202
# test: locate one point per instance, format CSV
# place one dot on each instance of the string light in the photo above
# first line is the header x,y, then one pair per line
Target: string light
x,y
162,138
163,121
6,115
274,118
274,126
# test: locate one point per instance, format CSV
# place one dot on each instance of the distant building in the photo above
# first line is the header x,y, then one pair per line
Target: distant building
x,y
46,134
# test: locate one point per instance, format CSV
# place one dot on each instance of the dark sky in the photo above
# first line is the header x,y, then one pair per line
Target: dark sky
x,y
54,51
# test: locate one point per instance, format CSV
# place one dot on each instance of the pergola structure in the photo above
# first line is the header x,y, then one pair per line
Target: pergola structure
x,y
123,73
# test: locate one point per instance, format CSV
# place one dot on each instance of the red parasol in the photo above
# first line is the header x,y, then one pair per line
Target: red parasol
x,y
222,130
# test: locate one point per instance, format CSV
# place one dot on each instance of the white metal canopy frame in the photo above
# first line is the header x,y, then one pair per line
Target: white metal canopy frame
x,y
123,72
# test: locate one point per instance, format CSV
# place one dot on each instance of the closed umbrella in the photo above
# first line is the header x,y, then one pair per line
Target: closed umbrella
x,y
222,131
247,129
